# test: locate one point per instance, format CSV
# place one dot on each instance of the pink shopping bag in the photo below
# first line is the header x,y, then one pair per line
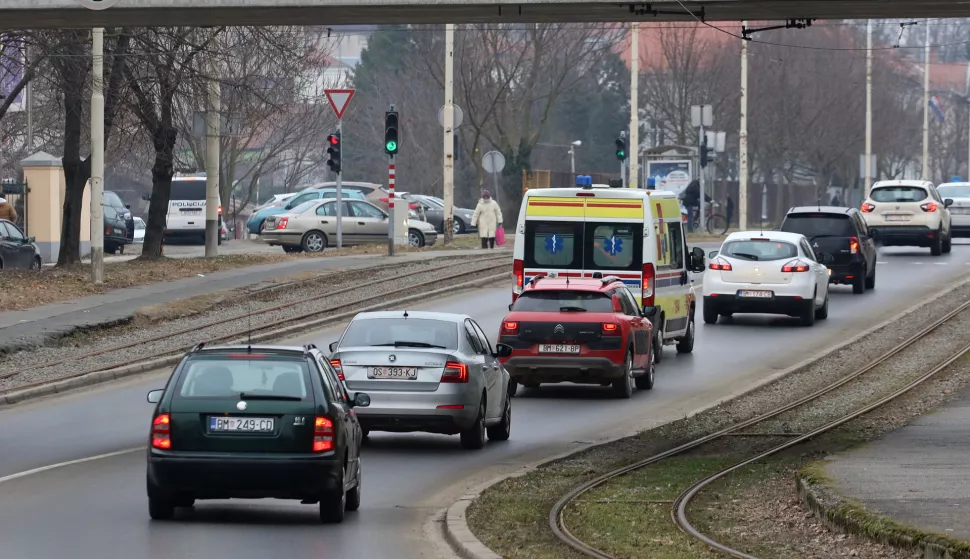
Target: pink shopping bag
x,y
500,236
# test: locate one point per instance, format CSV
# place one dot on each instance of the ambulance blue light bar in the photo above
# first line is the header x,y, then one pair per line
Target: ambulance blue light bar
x,y
584,181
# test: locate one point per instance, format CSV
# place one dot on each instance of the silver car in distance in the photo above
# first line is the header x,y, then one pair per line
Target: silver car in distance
x,y
426,371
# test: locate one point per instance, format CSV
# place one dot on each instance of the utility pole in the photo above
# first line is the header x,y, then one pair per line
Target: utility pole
x,y
926,104
743,141
634,106
449,114
702,116
97,156
213,123
868,162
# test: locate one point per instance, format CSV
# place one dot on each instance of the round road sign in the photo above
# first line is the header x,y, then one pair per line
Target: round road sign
x,y
456,121
493,162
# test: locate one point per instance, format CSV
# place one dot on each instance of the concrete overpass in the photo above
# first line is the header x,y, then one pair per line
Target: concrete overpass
x,y
68,13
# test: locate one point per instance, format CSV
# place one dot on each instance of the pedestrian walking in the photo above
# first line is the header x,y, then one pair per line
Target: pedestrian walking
x,y
488,218
6,211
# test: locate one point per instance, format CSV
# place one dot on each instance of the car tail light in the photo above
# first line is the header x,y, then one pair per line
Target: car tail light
x,y
510,328
611,329
720,264
928,207
649,279
161,431
282,223
451,407
107,229
795,266
455,372
322,434
585,194
518,269
220,210
854,245
335,363
867,207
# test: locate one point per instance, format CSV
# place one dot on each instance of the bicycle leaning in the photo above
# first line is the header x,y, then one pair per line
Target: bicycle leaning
x,y
716,224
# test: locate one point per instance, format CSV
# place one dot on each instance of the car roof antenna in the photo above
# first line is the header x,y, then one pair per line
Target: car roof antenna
x,y
405,314
249,327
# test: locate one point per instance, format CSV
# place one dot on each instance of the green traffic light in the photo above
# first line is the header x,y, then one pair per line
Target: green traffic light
x,y
392,146
621,154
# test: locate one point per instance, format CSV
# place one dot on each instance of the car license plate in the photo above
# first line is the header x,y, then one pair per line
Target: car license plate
x,y
897,218
241,424
558,348
755,294
397,373
960,211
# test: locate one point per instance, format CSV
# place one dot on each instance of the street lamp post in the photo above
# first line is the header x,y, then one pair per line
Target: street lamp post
x,y
572,155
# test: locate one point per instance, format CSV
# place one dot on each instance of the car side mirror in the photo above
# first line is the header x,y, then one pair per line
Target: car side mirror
x,y
948,202
29,240
617,305
511,305
713,254
155,396
697,259
360,400
648,312
502,350
333,346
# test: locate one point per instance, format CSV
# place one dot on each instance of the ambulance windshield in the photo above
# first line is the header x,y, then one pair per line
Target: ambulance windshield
x,y
571,245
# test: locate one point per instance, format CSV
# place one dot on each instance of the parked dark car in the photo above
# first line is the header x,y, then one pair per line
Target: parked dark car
x,y
841,232
119,224
432,210
16,249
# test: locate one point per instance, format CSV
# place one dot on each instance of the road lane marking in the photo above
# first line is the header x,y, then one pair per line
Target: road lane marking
x,y
18,475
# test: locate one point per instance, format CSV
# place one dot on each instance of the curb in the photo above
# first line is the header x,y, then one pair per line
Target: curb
x,y
464,542
847,516
100,377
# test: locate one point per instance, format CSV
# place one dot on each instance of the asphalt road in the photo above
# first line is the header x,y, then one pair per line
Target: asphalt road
x,y
98,509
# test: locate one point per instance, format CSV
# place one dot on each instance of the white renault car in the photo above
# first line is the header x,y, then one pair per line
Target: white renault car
x,y
959,192
908,213
767,272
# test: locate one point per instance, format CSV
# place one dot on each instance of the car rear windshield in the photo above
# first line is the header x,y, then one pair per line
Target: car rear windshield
x,y
819,224
954,191
391,332
761,251
898,194
255,375
188,190
563,301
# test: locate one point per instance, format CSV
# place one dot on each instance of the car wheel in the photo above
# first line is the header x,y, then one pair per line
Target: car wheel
x,y
314,241
473,438
807,316
645,381
822,312
458,227
658,342
686,344
624,386
513,387
36,264
710,313
503,430
160,509
415,238
121,249
859,283
871,280
936,248
948,243
353,496
532,385
333,504
292,249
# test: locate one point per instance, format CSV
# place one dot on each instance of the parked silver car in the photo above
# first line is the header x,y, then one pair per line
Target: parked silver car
x,y
426,371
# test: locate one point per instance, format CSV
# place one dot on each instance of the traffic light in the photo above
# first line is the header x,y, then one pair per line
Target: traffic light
x,y
333,151
390,132
621,148
703,151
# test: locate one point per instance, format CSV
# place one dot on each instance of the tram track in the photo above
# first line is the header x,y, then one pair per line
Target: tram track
x,y
749,428
258,330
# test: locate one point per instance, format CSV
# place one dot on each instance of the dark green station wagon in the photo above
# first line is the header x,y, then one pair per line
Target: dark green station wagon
x,y
254,422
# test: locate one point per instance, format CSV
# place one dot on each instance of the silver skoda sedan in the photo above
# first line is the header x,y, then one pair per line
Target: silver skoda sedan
x,y
426,371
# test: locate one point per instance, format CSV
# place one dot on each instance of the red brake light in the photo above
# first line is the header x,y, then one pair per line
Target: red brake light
x,y
585,194
720,264
335,363
245,356
853,245
611,329
929,207
867,207
649,278
322,434
161,432
795,266
220,210
518,269
455,372
510,328
282,223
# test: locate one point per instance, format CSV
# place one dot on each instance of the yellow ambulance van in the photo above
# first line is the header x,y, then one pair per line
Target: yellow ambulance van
x,y
636,235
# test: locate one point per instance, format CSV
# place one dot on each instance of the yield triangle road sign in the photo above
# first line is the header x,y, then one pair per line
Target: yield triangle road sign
x,y
339,99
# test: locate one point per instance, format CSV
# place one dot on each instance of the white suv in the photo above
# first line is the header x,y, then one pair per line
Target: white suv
x,y
908,213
